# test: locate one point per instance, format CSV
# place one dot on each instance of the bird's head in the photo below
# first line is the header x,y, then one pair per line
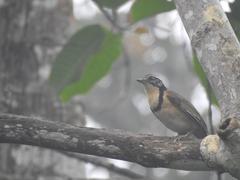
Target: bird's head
x,y
154,88
150,81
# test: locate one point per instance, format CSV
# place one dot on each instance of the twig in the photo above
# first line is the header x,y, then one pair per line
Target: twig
x,y
209,95
103,163
128,74
111,20
114,21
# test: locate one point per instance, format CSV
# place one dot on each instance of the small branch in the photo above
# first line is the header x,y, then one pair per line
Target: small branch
x,y
209,91
111,20
209,94
103,163
146,150
128,74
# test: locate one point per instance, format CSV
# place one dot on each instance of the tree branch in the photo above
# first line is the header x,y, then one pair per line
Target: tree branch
x,y
218,50
101,162
146,150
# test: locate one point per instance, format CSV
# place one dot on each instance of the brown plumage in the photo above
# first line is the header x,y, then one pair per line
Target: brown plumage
x,y
175,112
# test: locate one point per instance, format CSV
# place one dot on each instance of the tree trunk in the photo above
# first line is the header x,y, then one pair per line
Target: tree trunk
x,y
31,33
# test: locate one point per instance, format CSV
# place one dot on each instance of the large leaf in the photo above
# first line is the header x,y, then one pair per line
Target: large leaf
x,y
203,79
145,8
97,66
112,4
70,61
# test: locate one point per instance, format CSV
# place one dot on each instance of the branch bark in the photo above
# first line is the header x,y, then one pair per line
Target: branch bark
x,y
146,150
218,50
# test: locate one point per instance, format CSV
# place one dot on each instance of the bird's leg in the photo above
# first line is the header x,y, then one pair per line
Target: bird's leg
x,y
183,136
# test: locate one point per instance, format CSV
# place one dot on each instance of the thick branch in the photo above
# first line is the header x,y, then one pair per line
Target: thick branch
x,y
146,150
217,48
222,150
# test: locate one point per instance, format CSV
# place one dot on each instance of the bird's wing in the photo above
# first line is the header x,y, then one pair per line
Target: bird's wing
x,y
187,108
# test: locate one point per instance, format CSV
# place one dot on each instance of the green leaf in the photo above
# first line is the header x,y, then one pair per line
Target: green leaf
x,y
145,8
72,58
97,66
203,79
112,4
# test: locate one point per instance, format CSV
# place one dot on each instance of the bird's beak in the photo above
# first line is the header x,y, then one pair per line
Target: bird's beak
x,y
142,81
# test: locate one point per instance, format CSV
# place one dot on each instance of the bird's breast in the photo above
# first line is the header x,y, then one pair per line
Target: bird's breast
x,y
172,118
153,97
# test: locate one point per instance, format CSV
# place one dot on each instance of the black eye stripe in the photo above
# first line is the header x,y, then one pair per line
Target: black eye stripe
x,y
154,81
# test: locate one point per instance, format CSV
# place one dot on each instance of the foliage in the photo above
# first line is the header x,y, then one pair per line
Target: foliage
x,y
113,4
86,57
142,9
90,52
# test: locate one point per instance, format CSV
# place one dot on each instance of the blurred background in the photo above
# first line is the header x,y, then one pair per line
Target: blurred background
x,y
77,61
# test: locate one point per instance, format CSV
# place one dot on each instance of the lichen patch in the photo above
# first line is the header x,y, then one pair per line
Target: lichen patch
x,y
229,48
19,125
60,137
212,47
42,131
101,144
6,126
74,140
188,15
211,143
213,14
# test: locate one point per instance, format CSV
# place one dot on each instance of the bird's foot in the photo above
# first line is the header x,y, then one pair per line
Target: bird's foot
x,y
184,136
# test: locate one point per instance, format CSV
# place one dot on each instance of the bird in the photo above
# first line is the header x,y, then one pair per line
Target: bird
x,y
173,110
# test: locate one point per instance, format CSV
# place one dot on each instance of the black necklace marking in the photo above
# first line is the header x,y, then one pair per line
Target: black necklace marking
x,y
160,100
